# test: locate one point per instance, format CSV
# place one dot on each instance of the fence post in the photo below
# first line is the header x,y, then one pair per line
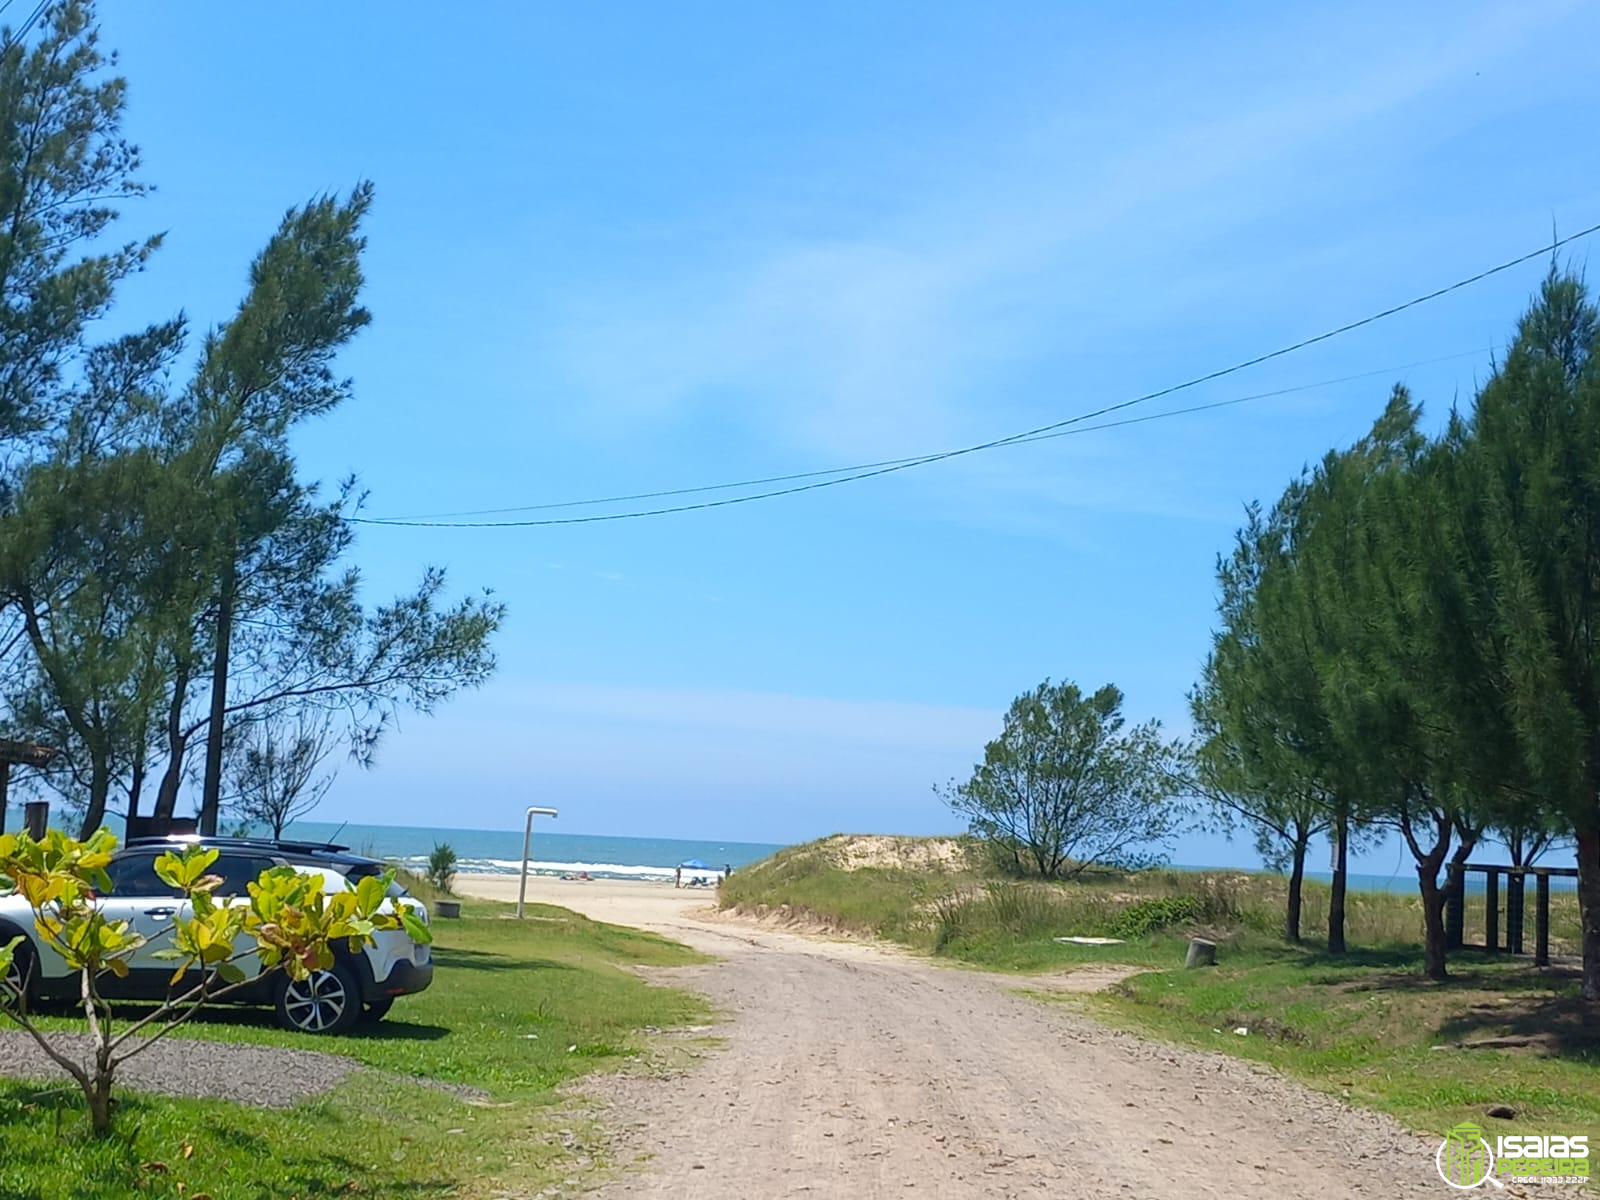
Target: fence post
x,y
1455,906
1491,910
1541,920
1516,899
36,818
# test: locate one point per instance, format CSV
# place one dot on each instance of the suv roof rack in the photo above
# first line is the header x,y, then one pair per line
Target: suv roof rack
x,y
262,843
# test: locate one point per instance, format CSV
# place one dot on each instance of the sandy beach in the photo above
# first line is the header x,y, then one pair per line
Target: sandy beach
x,y
642,903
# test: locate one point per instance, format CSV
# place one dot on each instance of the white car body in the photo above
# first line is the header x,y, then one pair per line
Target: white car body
x,y
392,964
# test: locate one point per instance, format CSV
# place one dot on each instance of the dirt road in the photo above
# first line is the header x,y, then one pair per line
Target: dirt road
x,y
851,1071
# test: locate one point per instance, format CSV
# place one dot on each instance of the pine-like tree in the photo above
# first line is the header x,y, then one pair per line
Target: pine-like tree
x,y
1531,472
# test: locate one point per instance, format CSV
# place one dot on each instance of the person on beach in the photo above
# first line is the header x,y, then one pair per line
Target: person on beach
x,y
677,878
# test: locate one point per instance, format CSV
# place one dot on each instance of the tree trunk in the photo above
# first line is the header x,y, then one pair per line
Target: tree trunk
x,y
97,1093
1341,832
99,1097
92,736
1434,945
135,788
211,795
1514,846
1589,906
177,746
99,788
1297,875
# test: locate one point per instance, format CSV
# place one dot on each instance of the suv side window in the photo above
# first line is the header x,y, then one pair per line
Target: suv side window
x,y
238,870
135,875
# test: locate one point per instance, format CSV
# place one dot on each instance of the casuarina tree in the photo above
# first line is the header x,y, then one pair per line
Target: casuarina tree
x,y
1256,717
1383,638
167,579
1532,453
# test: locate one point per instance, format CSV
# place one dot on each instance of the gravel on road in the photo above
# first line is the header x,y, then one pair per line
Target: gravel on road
x,y
267,1076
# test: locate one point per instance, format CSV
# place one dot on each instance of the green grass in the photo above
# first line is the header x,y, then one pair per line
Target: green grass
x,y
516,1009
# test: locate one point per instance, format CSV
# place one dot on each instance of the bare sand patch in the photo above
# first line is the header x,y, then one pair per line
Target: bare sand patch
x,y
853,851
641,903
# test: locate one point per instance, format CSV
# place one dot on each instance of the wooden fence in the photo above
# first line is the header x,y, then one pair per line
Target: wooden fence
x,y
1514,882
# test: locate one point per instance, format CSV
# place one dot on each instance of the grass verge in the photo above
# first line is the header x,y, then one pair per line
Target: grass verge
x,y
1370,1029
516,1009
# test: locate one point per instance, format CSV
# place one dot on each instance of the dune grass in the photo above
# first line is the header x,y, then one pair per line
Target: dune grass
x,y
516,1009
963,913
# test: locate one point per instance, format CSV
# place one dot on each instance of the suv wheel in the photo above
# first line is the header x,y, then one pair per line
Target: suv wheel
x,y
323,1002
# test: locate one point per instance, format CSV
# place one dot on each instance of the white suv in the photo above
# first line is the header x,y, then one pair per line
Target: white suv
x,y
358,985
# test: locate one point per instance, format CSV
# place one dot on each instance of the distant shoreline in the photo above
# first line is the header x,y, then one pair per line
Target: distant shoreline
x,y
498,853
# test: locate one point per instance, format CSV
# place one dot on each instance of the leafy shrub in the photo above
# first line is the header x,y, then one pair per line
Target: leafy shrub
x,y
1144,917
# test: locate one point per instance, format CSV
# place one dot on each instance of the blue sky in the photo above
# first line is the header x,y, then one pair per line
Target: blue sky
x,y
616,250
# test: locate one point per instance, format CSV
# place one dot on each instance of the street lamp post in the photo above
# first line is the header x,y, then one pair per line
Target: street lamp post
x,y
527,839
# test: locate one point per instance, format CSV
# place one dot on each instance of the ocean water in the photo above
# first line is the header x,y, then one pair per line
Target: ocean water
x,y
499,852
1407,882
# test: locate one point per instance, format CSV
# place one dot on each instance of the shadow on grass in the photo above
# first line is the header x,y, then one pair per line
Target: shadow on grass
x,y
1469,973
453,958
1359,958
399,1031
1562,1026
224,1016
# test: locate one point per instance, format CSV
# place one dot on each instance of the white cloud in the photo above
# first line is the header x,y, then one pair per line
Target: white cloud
x,y
1073,233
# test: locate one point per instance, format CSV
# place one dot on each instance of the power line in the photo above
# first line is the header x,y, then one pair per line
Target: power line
x,y
917,458
1288,391
890,466
23,30
893,465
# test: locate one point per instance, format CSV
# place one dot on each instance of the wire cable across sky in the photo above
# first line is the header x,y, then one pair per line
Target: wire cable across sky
x,y
840,475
